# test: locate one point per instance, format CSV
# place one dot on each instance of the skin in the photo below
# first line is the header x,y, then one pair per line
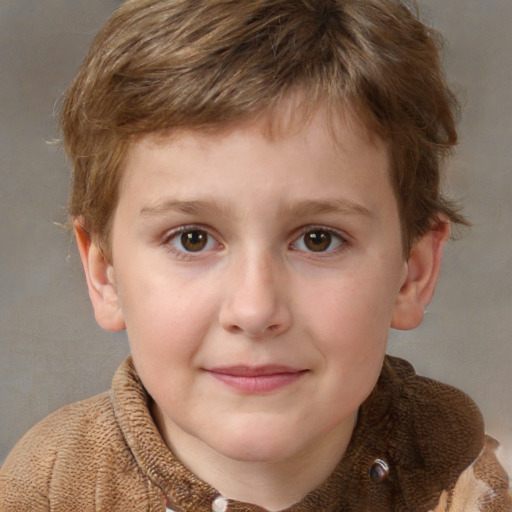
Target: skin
x,y
301,267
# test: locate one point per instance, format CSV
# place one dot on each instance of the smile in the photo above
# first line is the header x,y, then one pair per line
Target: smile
x,y
254,380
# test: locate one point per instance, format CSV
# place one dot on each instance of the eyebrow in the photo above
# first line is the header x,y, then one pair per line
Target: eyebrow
x,y
186,207
343,206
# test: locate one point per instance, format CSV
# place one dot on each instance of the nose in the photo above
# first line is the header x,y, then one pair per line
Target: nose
x,y
255,303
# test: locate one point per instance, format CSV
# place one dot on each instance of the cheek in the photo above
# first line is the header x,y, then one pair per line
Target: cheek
x,y
166,319
350,325
348,306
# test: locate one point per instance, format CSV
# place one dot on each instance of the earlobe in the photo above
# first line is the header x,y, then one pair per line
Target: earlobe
x,y
101,283
423,267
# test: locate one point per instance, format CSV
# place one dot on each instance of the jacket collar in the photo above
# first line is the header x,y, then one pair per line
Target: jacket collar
x,y
413,436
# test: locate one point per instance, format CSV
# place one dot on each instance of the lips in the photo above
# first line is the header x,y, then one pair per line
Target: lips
x,y
257,379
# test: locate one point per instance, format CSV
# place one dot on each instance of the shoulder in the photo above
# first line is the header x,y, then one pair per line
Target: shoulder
x,y
71,424
445,422
79,457
482,487
434,432
438,441
58,449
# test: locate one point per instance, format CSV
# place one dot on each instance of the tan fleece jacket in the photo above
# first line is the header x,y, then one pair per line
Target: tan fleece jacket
x,y
418,446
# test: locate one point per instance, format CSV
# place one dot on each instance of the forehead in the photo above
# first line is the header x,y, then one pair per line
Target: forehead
x,y
285,154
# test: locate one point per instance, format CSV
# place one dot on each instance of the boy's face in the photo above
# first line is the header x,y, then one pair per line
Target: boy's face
x,y
257,279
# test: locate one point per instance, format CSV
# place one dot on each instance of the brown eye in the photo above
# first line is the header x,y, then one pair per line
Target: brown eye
x,y
192,240
318,240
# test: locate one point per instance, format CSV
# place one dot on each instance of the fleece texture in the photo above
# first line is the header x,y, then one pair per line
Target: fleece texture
x,y
418,446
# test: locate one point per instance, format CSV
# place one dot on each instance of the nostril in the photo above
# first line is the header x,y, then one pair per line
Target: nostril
x,y
252,331
254,310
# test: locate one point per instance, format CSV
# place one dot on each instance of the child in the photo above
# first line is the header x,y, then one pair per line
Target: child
x,y
256,200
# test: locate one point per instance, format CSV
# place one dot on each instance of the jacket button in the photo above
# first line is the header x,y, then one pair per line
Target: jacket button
x,y
379,471
220,504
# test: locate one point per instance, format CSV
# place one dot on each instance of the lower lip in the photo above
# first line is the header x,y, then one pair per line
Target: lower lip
x,y
258,383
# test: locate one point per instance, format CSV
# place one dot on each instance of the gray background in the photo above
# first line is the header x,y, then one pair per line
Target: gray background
x,y
52,352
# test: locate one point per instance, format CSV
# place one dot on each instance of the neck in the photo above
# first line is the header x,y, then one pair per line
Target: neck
x,y
273,485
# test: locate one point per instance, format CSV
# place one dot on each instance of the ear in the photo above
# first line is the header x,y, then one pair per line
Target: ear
x,y
423,267
100,281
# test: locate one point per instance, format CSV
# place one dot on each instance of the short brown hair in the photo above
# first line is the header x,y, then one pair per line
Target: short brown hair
x,y
160,65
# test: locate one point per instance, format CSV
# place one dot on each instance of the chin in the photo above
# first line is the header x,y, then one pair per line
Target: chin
x,y
257,445
256,453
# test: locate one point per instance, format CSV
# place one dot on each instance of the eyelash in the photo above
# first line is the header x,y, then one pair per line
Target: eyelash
x,y
334,237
